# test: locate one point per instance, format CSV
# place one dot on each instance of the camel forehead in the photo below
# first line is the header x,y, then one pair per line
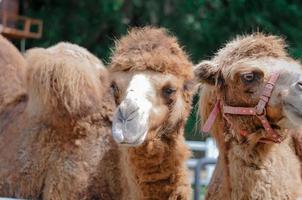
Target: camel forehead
x,y
267,65
155,78
140,84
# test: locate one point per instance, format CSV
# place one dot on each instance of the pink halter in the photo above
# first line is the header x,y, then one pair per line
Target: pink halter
x,y
259,111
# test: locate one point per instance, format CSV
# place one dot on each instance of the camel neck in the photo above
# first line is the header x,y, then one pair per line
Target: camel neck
x,y
259,171
154,169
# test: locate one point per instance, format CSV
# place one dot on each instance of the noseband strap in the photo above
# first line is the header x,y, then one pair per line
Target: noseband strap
x,y
259,111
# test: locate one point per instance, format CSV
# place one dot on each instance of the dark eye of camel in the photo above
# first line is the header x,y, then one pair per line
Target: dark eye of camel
x,y
249,77
114,87
115,91
168,91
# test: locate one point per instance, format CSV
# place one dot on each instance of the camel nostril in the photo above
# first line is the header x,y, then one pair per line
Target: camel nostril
x,y
121,115
299,85
127,113
131,113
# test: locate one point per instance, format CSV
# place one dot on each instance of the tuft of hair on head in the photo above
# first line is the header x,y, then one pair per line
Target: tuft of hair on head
x,y
64,79
255,45
150,48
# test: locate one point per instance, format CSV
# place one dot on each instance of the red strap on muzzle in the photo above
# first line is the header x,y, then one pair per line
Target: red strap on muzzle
x,y
259,111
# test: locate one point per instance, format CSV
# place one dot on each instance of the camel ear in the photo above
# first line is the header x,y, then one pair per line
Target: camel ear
x,y
206,72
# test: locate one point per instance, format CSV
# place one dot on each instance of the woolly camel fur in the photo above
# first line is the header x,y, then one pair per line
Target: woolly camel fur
x,y
247,167
12,73
151,81
55,131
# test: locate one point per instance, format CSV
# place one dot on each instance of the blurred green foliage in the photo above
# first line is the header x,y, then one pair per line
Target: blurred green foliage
x,y
202,26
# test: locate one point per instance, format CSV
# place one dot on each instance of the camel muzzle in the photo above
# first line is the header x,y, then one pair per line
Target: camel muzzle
x,y
129,124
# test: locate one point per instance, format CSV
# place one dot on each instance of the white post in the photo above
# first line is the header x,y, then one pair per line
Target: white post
x,y
211,152
22,45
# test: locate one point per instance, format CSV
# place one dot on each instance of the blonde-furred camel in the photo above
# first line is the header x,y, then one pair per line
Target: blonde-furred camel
x,y
251,165
55,124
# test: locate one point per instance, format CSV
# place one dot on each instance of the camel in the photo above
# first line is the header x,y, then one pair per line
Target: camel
x,y
253,89
55,124
12,65
152,86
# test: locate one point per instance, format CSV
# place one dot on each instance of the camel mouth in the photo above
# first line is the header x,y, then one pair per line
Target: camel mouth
x,y
129,135
130,142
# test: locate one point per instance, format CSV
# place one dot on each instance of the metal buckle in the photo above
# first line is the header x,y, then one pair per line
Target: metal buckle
x,y
260,108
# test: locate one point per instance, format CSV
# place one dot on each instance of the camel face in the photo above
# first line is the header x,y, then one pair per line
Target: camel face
x,y
241,85
151,78
245,81
237,76
146,101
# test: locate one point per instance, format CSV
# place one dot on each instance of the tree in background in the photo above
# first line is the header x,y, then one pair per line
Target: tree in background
x,y
202,26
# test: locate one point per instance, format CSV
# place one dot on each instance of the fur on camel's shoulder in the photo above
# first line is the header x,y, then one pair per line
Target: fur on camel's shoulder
x,y
151,49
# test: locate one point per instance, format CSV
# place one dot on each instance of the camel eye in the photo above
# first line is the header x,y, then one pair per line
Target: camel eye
x,y
249,78
115,91
168,91
114,88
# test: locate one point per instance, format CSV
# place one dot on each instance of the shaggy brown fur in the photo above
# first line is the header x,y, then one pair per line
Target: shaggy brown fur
x,y
247,169
12,72
156,169
55,139
159,53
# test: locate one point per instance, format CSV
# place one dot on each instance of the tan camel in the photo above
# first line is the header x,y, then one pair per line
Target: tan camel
x,y
252,163
13,66
55,130
151,84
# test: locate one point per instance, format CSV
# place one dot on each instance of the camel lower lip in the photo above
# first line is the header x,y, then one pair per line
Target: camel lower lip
x,y
134,143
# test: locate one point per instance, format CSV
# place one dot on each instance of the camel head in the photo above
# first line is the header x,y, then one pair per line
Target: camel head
x,y
151,82
238,74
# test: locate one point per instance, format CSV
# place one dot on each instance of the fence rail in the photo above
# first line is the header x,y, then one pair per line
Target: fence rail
x,y
205,163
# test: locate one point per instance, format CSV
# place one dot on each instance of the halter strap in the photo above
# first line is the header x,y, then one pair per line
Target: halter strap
x,y
211,119
259,111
